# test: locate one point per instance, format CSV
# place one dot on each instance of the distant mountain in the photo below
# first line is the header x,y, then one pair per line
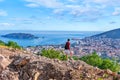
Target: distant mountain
x,y
114,34
20,36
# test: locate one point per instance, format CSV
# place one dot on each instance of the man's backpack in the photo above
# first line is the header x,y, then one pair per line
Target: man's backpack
x,y
66,46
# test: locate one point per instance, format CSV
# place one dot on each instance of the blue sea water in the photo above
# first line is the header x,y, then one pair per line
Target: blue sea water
x,y
48,37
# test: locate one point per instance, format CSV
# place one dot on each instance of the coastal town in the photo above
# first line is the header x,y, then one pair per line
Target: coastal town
x,y
104,47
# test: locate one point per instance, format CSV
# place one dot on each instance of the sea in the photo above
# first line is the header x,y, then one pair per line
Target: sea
x,y
47,37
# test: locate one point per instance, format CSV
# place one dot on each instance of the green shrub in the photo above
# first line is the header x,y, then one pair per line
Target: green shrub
x,y
2,43
13,45
10,44
109,64
75,57
62,57
51,53
92,59
101,63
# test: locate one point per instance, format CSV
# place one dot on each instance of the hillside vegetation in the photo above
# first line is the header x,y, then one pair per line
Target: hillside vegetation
x,y
101,63
53,54
11,44
92,59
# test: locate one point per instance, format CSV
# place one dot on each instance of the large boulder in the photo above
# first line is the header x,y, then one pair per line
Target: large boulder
x,y
3,62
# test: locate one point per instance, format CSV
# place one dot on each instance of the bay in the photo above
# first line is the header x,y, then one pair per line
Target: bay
x,y
47,37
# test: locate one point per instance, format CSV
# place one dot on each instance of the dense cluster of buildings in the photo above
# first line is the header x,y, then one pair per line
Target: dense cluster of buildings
x,y
104,47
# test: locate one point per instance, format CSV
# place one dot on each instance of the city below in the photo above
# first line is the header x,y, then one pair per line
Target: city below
x,y
103,44
106,48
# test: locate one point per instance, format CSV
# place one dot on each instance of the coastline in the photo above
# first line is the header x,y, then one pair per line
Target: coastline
x,y
47,37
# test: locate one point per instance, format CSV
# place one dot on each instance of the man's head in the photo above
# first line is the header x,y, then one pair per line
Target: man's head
x,y
68,40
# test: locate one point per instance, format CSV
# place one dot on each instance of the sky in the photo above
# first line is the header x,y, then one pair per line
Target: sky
x,y
60,15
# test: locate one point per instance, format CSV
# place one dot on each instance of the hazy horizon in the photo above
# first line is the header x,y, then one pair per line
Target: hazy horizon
x,y
53,30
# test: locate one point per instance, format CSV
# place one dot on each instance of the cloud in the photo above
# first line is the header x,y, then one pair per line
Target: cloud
x,y
84,10
105,2
26,20
3,13
116,12
6,24
72,0
80,12
32,5
21,19
58,11
97,1
112,22
44,3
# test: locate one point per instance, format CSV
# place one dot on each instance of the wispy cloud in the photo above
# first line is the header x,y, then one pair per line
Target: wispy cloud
x,y
58,11
27,20
116,12
21,19
81,12
3,13
112,22
72,0
6,24
44,3
32,5
85,10
97,1
105,2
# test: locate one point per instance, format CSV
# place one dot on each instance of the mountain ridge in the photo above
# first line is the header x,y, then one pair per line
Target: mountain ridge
x,y
114,34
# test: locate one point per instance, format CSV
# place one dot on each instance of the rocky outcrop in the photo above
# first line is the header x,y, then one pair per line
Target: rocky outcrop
x,y
41,68
32,67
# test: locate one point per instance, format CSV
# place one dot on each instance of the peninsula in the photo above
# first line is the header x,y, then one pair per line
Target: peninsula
x,y
113,34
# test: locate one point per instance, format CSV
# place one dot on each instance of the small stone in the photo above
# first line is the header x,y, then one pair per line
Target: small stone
x,y
79,67
21,62
108,71
36,76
